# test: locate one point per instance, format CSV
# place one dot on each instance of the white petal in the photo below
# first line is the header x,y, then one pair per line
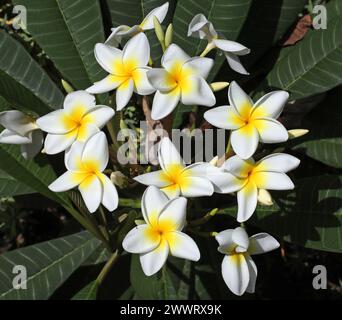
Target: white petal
x,y
261,243
161,79
245,141
240,100
152,203
73,156
235,63
138,241
119,32
107,84
200,27
235,273
96,149
197,91
272,181
198,66
164,103
154,178
253,274
110,198
224,237
92,191
225,182
29,151
99,116
153,261
226,244
115,37
231,46
142,85
196,187
240,237
56,122
79,99
159,13
10,137
67,181
16,121
56,143
270,130
278,162
174,214
137,49
124,94
270,105
168,154
239,167
247,201
173,54
182,246
172,191
107,57
224,117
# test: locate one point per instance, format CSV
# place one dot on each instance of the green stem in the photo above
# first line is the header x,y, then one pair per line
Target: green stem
x,y
112,134
89,225
108,266
204,219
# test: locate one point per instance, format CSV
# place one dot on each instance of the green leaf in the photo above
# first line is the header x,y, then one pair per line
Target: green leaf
x,y
36,174
324,144
11,187
324,141
179,113
99,256
68,31
23,82
145,287
88,292
266,25
48,265
310,216
313,65
158,286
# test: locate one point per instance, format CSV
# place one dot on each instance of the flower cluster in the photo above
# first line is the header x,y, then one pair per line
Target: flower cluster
x,y
76,130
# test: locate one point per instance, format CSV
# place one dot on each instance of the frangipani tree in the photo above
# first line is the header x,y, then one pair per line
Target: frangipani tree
x,y
164,59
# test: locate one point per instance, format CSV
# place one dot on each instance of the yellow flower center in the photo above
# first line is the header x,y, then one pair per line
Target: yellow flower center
x,y
174,174
161,230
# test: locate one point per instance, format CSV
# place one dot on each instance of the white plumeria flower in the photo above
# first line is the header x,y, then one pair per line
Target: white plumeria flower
x,y
147,24
250,123
127,69
22,130
85,163
175,178
79,119
247,177
238,268
182,79
200,27
161,234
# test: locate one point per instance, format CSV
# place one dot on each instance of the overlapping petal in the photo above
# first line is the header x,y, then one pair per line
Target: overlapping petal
x,y
182,246
136,240
247,201
224,117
